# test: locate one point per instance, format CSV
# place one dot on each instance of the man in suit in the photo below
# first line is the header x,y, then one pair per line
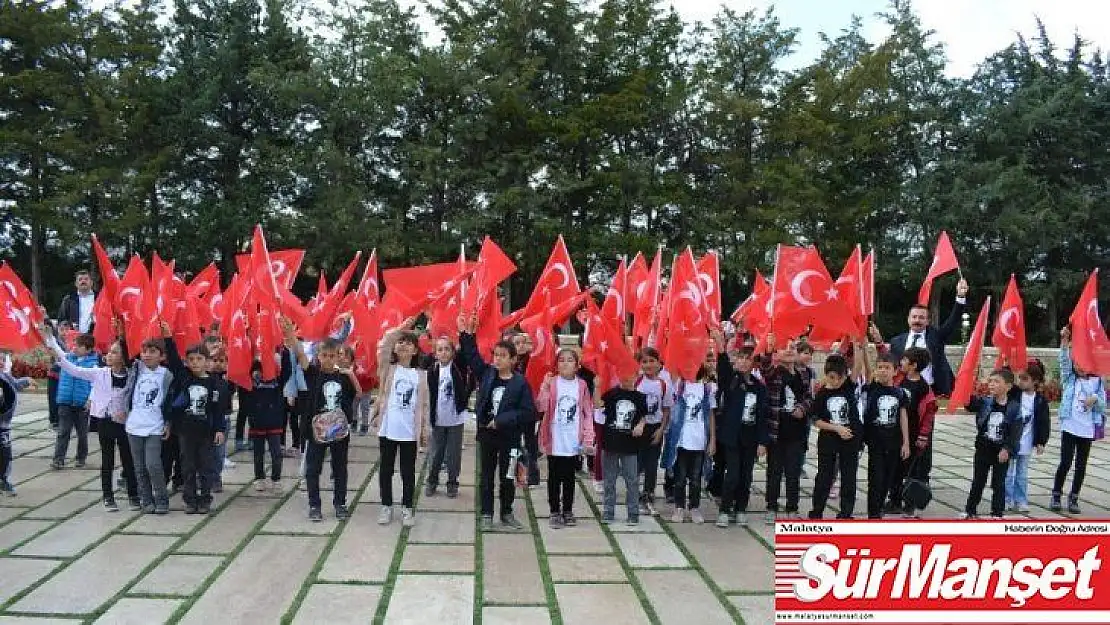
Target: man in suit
x,y
76,310
939,374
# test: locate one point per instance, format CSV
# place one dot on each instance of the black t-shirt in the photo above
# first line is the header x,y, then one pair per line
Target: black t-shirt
x,y
496,393
882,411
624,410
838,406
200,403
328,391
916,390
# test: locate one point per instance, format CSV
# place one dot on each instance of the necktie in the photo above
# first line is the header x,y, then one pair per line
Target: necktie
x,y
916,340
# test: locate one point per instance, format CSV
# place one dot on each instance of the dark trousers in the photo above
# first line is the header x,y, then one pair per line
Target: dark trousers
x,y
5,453
196,457
314,464
782,461
532,446
240,424
986,462
560,483
259,444
739,470
649,463
292,425
917,466
687,478
716,482
1072,448
70,419
494,453
52,400
171,462
832,455
390,449
113,436
884,458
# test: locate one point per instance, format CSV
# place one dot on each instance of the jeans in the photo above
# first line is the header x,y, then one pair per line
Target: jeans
x,y
390,449
196,456
314,464
986,461
219,454
834,455
113,436
687,470
446,445
147,453
494,449
884,457
1017,480
560,484
70,418
623,465
260,443
648,462
782,459
736,489
1072,448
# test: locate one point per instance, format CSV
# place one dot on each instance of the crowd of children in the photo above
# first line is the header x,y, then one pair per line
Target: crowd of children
x,y
165,415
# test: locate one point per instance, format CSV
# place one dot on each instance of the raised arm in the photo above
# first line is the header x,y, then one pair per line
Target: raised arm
x,y
87,374
953,322
294,345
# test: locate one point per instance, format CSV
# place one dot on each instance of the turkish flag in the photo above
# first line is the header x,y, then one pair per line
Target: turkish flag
x,y
427,283
603,344
1090,348
1009,332
444,312
647,299
21,295
558,315
542,360
804,294
944,260
368,286
108,277
268,333
848,286
366,331
616,299
494,267
161,281
687,337
284,264
709,272
104,331
557,281
754,313
489,323
324,310
186,326
969,367
638,273
205,283
16,331
240,350
135,303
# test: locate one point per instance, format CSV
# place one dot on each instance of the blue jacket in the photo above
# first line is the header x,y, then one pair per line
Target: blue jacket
x,y
678,419
72,391
1068,379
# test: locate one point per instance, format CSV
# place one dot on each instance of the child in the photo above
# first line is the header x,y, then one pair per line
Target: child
x,y
9,399
73,394
886,428
998,432
197,422
217,368
921,409
146,402
566,430
809,377
1082,409
837,418
691,440
660,400
403,412
328,389
505,409
105,405
449,389
743,431
268,410
623,412
789,398
1036,427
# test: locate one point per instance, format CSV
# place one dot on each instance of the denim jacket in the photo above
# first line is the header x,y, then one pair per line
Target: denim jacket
x,y
678,419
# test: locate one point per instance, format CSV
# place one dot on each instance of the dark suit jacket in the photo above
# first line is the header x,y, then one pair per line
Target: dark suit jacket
x,y
70,310
935,340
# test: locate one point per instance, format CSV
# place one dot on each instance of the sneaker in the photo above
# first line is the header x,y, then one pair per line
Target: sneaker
x,y
998,517
1023,508
204,508
228,464
1055,504
722,520
569,519
341,513
509,521
452,491
408,517
487,523
191,509
217,488
556,522
965,516
315,515
678,516
633,521
385,515
6,488
430,490
607,518
697,517
260,486
648,508
804,475
599,487
80,464
110,505
892,507
741,519
275,486
834,492
57,465
1073,505
1010,506
162,510
148,508
134,505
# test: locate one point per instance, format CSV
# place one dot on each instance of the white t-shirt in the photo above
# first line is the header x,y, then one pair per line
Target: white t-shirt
x,y
399,423
1026,446
565,439
85,305
446,416
693,429
145,418
1082,421
657,399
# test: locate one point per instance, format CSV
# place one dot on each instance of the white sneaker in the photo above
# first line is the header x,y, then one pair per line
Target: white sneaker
x,y
228,464
408,517
769,518
260,485
599,487
722,521
742,519
697,517
678,516
385,515
1023,508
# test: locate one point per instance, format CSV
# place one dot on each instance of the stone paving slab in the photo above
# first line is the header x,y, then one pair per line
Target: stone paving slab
x,y
465,502
511,615
100,574
63,507
736,563
175,523
33,620
178,575
229,527
755,608
373,490
19,574
261,583
511,572
438,559
43,488
442,527
698,604
586,537
71,537
131,611
454,600
586,569
600,603
364,550
18,531
338,604
7,514
292,517
650,551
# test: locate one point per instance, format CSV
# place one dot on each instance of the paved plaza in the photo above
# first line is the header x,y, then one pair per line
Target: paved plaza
x,y
257,559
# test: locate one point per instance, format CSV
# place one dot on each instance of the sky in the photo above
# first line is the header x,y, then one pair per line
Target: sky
x,y
970,30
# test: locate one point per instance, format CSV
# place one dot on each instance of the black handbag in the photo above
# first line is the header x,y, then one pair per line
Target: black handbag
x,y
915,492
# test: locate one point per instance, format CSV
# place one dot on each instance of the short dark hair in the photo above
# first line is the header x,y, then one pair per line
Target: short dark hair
x,y
837,364
157,344
1035,369
1005,374
329,345
199,349
649,352
81,272
745,350
888,358
919,356
919,307
85,340
507,346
